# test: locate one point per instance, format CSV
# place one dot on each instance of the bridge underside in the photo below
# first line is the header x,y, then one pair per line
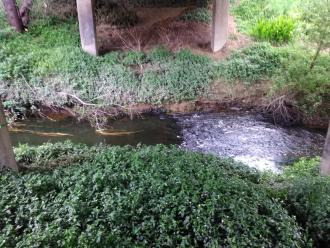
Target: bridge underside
x,y
87,25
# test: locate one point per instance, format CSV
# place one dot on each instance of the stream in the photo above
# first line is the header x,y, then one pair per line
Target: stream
x,y
245,137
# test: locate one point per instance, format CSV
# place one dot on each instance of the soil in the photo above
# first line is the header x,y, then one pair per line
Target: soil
x,y
161,26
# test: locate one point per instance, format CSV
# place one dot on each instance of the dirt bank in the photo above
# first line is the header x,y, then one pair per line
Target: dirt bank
x,y
162,27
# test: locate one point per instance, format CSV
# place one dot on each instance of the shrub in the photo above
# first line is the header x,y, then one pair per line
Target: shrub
x,y
251,64
304,167
308,199
142,197
277,30
202,15
310,87
305,195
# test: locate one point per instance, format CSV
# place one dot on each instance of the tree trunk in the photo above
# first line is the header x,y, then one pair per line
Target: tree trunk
x,y
13,15
325,162
7,158
25,11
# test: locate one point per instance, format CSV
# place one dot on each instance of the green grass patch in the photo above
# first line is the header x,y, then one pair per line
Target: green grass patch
x,y
138,197
249,12
202,15
277,30
251,64
48,60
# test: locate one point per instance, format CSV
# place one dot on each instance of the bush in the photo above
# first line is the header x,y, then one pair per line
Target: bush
x,y
310,87
51,154
277,30
250,65
305,195
141,197
202,15
308,199
304,167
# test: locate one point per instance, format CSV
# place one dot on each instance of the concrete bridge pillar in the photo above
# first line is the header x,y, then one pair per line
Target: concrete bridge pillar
x,y
7,158
219,24
87,26
325,162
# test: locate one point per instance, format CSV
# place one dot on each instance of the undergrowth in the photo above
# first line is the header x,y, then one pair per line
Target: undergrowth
x,y
202,15
138,197
310,87
248,12
251,64
78,196
47,65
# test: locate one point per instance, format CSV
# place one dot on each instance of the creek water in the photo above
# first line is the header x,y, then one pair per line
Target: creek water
x,y
242,136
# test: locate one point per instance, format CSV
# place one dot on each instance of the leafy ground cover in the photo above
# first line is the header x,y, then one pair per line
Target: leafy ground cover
x,y
305,195
78,196
140,197
288,68
48,64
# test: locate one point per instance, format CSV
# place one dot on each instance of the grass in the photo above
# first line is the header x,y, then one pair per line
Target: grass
x,y
48,60
249,12
201,15
278,30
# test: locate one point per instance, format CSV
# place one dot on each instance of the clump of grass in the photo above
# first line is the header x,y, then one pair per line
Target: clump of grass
x,y
276,30
202,15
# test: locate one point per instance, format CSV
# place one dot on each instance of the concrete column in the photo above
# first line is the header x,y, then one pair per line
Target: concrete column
x,y
219,24
87,26
7,158
325,162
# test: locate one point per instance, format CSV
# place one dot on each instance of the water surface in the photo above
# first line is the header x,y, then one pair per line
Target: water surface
x,y
247,138
242,136
150,131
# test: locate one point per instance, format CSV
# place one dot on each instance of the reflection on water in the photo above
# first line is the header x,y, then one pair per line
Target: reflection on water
x,y
248,139
243,137
149,131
